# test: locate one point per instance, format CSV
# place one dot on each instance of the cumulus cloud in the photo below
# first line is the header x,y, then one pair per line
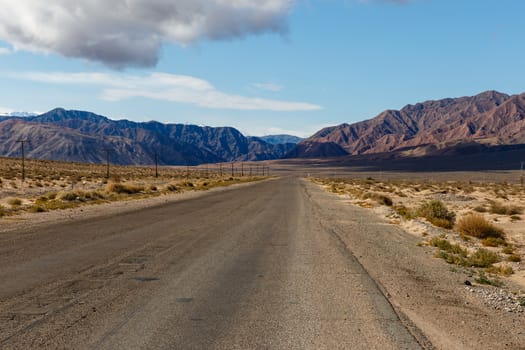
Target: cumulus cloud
x,y
122,33
166,87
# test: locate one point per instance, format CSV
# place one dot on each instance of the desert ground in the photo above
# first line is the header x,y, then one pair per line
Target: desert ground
x,y
331,257
42,186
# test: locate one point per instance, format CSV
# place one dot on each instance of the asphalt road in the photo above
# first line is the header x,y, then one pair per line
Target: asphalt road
x,y
255,267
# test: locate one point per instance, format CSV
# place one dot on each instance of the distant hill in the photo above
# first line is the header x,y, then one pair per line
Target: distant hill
x,y
83,137
490,118
281,139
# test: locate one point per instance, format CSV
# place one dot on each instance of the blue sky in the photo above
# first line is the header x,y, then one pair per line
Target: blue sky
x,y
279,66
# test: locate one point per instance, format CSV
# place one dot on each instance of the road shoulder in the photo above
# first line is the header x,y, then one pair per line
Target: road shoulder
x,y
422,289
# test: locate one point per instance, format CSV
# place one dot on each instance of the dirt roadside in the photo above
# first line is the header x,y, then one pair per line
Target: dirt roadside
x,y
422,289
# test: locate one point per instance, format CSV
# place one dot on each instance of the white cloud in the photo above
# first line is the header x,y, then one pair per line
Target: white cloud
x,y
4,51
166,87
122,33
268,87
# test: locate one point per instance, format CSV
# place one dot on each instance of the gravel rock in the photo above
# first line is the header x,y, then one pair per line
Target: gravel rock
x,y
500,299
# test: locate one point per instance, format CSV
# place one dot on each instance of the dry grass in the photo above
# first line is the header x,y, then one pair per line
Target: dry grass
x,y
501,209
439,203
379,198
477,226
120,188
437,214
14,202
60,185
482,258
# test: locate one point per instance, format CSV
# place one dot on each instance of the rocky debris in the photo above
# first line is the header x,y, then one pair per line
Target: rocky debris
x,y
500,299
451,197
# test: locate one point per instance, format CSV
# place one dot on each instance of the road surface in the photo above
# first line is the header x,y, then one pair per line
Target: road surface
x,y
255,267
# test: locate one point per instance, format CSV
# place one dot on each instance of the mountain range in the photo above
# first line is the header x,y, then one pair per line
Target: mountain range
x,y
84,137
490,118
480,124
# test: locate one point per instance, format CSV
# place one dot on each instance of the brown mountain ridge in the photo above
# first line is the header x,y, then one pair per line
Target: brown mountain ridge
x,y
84,137
490,118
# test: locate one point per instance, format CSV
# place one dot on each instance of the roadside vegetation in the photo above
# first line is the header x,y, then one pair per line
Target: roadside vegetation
x,y
60,185
475,226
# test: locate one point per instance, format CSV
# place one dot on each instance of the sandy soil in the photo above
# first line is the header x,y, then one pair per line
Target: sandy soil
x,y
462,198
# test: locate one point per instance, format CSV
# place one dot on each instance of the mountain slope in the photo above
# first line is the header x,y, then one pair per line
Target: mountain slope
x,y
84,137
489,118
281,139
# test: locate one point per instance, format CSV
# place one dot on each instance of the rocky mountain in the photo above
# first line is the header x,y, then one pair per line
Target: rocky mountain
x,y
281,139
490,118
83,136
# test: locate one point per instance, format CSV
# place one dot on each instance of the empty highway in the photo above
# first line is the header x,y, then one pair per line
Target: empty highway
x,y
264,266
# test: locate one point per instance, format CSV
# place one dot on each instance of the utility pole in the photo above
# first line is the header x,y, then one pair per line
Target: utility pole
x,y
220,169
107,162
232,171
156,164
521,174
242,169
22,143
250,170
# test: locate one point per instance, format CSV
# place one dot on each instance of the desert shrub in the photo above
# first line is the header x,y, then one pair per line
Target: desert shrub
x,y
115,187
51,195
403,211
514,258
483,279
37,209
515,218
437,214
15,202
445,245
67,196
379,198
477,226
451,253
508,249
492,242
498,208
172,187
2,211
480,209
482,258
504,270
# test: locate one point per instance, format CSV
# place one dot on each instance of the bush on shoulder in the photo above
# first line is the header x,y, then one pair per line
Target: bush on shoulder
x,y
437,214
477,226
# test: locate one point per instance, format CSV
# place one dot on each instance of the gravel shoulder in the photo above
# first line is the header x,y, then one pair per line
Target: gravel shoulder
x,y
422,289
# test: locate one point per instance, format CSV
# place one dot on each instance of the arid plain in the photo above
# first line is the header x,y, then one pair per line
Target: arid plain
x,y
138,238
